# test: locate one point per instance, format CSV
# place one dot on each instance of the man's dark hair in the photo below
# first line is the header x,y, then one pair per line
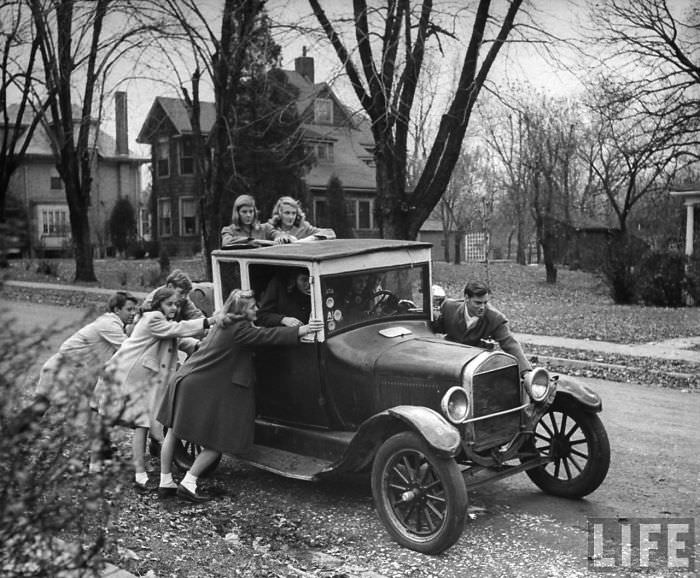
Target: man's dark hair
x,y
476,289
119,299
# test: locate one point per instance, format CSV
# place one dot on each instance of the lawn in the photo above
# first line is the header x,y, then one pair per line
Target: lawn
x,y
578,305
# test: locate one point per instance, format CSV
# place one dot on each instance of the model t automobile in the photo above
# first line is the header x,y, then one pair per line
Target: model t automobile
x,y
378,391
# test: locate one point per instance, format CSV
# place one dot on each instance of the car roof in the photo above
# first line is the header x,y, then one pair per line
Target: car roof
x,y
324,250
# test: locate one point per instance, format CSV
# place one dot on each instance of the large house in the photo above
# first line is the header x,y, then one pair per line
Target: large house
x,y
39,190
341,142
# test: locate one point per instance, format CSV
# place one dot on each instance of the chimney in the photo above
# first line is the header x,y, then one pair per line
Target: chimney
x,y
121,116
304,65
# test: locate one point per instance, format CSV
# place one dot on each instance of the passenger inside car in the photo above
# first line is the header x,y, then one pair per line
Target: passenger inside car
x,y
286,299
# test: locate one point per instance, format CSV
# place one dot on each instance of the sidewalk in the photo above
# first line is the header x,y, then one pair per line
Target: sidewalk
x,y
684,349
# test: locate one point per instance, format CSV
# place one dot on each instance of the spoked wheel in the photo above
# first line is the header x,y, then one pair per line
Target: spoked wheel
x,y
420,497
578,445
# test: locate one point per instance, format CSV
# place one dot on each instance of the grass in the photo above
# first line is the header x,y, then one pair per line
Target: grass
x,y
577,306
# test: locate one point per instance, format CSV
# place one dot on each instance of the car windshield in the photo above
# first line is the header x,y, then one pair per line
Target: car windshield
x,y
371,295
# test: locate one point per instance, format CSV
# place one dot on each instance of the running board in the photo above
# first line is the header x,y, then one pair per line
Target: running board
x,y
285,463
477,476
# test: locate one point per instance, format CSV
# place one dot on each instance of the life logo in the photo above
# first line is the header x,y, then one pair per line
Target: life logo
x,y
666,544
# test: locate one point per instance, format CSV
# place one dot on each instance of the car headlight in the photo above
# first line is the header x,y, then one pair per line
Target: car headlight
x,y
455,404
537,384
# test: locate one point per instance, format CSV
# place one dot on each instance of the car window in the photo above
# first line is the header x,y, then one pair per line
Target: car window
x,y
367,296
230,277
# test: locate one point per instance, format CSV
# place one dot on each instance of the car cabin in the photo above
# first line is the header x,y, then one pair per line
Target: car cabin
x,y
392,271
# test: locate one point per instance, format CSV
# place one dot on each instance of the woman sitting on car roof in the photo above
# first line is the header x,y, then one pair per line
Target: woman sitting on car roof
x,y
289,224
245,229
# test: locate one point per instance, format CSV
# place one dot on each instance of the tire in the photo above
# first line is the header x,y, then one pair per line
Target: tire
x,y
578,445
420,497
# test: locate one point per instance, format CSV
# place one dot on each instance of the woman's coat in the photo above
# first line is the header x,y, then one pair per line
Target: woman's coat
x,y
138,373
211,400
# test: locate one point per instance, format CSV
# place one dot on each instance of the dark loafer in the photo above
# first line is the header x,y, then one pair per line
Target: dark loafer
x,y
184,494
141,488
164,493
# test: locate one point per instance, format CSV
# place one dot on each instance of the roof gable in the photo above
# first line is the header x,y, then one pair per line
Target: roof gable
x,y
169,116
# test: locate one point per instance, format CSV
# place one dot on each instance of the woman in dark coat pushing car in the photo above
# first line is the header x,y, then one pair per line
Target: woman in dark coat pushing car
x,y
211,399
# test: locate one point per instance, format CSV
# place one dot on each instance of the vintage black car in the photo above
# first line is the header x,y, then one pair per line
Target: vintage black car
x,y
378,391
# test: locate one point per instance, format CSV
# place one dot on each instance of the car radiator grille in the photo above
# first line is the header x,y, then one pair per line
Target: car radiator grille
x,y
494,391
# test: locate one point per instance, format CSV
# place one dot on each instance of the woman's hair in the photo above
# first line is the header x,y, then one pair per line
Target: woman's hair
x,y
161,294
243,201
235,306
276,218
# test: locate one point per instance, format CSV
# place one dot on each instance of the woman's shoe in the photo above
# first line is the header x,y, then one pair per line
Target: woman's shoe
x,y
165,492
184,494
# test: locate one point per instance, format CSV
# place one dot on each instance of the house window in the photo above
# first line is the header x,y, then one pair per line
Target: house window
x,y
364,214
351,212
186,156
324,152
144,223
323,111
165,222
163,158
321,213
359,212
188,217
56,184
54,221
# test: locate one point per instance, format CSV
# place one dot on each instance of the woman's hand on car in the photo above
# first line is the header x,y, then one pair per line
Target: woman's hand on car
x,y
313,326
291,322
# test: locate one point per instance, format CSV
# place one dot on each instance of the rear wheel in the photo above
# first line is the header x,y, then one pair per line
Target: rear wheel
x,y
420,497
578,445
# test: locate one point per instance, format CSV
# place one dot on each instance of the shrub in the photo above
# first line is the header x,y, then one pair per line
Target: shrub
x,y
122,224
136,250
620,268
53,514
661,279
47,268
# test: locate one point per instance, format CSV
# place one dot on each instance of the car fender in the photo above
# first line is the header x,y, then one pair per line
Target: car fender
x,y
572,389
440,435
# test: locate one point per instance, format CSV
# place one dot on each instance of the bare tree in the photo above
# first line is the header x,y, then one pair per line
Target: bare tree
x,y
504,134
656,48
18,82
633,155
79,43
391,67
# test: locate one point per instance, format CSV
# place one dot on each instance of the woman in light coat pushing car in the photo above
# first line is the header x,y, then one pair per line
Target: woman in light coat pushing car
x,y
135,378
211,399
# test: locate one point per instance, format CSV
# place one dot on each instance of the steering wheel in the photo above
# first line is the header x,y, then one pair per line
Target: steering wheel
x,y
384,297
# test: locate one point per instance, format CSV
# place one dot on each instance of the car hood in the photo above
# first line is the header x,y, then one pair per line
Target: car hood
x,y
425,358
416,355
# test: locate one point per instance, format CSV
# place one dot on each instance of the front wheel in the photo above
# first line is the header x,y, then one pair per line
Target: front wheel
x,y
578,446
420,497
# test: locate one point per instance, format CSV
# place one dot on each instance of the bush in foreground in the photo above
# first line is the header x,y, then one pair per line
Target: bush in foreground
x,y
53,513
